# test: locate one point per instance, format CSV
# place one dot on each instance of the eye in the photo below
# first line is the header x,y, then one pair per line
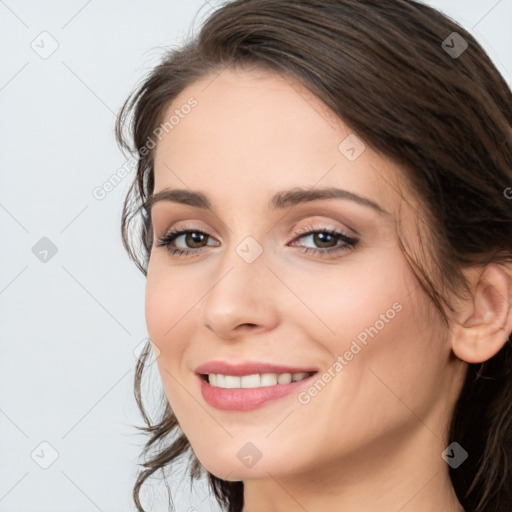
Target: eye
x,y
193,239
327,241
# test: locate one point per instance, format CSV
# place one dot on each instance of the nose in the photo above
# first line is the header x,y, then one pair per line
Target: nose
x,y
242,299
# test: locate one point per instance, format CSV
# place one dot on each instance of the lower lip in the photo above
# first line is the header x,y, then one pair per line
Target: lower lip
x,y
247,399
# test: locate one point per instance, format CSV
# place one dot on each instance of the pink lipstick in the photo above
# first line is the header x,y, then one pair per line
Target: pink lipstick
x,y
249,385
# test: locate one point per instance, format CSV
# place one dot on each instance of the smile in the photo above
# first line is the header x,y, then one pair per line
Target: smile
x,y
255,380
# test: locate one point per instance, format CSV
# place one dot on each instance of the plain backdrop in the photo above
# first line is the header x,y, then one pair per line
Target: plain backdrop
x,y
71,302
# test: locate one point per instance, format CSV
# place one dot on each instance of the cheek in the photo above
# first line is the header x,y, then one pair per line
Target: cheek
x,y
158,308
384,385
168,308
372,315
399,367
168,302
352,297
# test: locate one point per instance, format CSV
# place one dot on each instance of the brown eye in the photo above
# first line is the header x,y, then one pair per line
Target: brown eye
x,y
324,240
195,239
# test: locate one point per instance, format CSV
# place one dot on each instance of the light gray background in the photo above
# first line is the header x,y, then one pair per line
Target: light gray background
x,y
69,325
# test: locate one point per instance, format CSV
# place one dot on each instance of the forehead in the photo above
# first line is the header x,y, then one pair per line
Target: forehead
x,y
254,132
258,110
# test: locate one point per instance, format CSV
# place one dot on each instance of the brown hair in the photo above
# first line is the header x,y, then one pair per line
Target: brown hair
x,y
445,119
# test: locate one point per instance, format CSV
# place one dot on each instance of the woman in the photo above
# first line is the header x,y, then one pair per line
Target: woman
x,y
327,239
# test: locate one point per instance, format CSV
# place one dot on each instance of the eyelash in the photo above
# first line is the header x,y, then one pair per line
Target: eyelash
x,y
348,242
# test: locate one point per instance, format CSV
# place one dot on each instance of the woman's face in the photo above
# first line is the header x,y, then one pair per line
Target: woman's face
x,y
254,287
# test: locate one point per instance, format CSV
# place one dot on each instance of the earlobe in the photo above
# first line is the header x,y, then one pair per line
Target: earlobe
x,y
485,318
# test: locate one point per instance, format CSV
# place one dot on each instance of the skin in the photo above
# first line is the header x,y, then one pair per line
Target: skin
x,y
374,435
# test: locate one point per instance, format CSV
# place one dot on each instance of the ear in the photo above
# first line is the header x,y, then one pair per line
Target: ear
x,y
485,319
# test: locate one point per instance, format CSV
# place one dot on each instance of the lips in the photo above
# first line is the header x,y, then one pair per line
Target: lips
x,y
249,368
248,399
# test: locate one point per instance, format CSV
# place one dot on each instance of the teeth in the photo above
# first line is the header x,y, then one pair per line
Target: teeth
x,y
230,381
254,381
268,379
299,376
250,381
285,378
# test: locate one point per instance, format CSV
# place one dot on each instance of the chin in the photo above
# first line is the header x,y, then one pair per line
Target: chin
x,y
236,465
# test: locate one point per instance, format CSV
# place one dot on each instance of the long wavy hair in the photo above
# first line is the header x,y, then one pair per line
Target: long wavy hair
x,y
385,68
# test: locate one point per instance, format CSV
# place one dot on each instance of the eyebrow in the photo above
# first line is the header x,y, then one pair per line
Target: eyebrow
x,y
282,199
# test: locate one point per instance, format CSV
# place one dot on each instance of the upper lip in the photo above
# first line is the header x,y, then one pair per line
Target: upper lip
x,y
248,368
